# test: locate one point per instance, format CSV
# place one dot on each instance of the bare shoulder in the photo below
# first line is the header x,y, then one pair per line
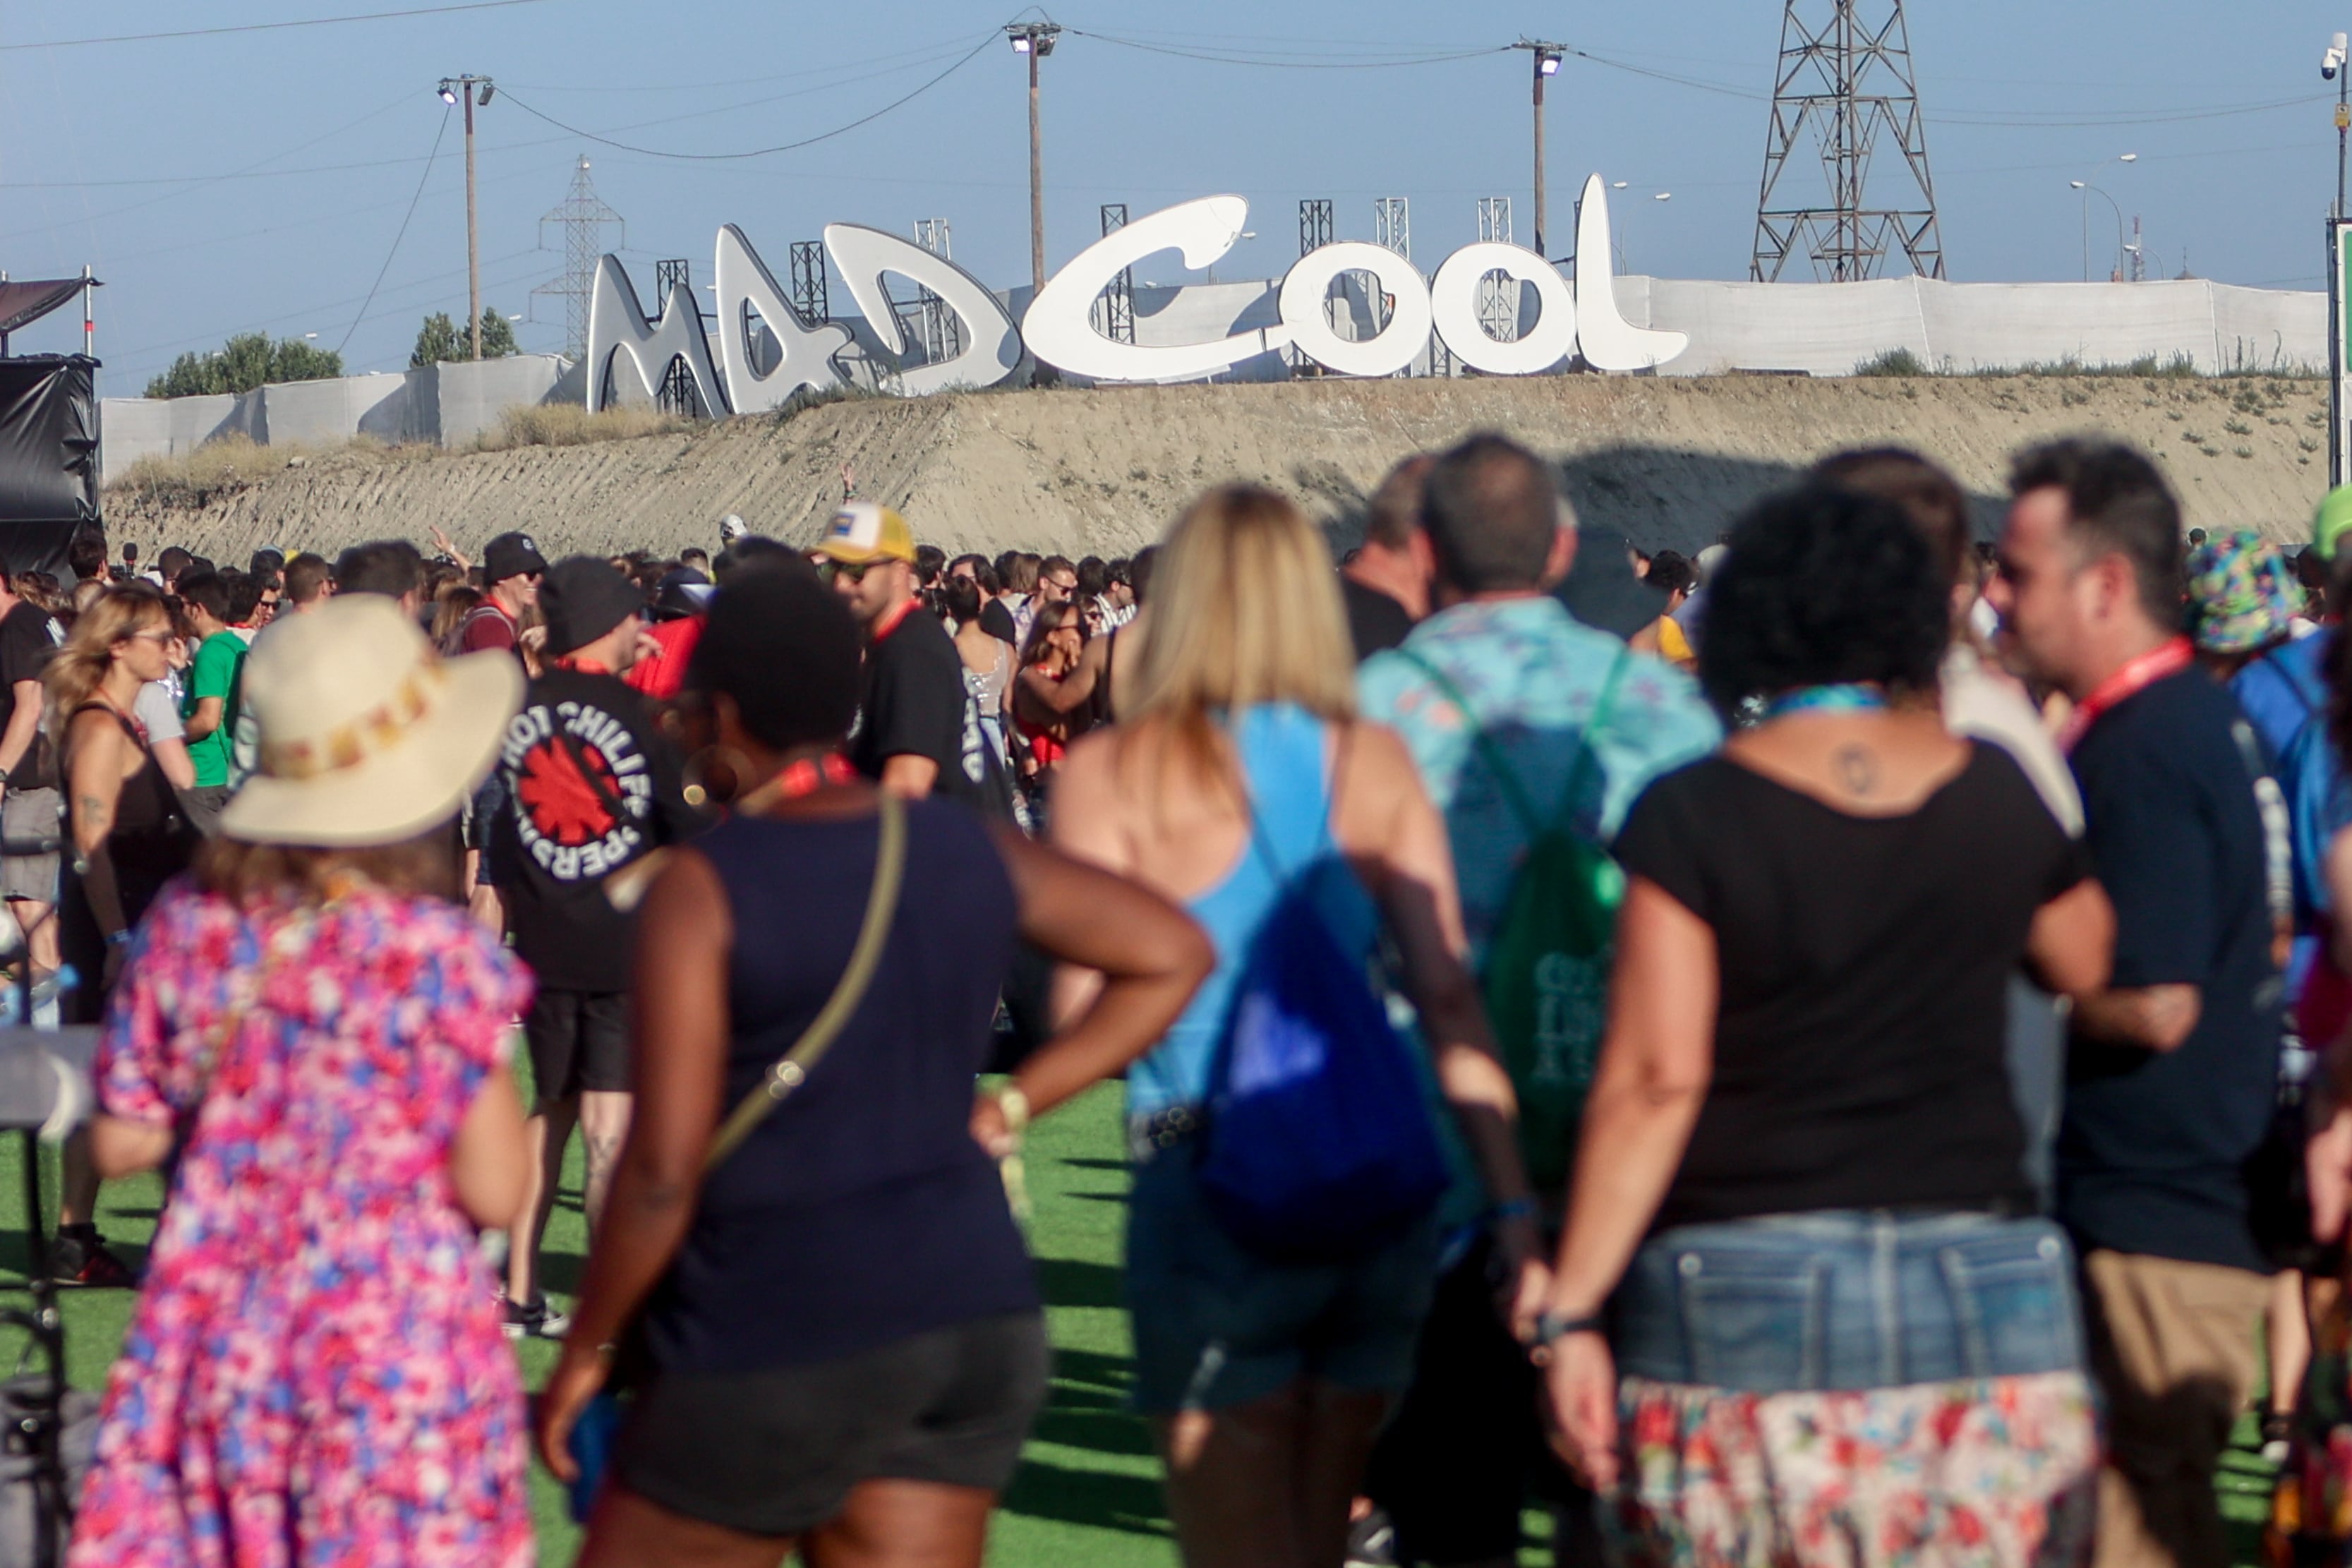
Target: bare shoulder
x,y
1380,765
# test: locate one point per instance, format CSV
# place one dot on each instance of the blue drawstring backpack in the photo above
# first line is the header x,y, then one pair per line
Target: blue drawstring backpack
x,y
1320,1146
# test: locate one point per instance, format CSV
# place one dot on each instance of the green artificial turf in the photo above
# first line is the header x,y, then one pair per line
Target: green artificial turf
x,y
1088,1493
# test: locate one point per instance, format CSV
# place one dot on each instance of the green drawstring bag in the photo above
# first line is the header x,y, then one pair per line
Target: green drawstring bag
x,y
1546,975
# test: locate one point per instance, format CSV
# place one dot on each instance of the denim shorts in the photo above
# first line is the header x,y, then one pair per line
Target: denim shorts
x,y
1849,1300
1216,1325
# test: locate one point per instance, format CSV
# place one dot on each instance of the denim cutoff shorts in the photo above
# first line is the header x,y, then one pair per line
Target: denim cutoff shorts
x,y
1216,1325
1849,1300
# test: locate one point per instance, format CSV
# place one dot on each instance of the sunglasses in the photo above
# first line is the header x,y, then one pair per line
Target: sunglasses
x,y
855,571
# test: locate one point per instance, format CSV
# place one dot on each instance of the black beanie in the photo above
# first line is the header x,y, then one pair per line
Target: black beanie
x,y
786,648
582,598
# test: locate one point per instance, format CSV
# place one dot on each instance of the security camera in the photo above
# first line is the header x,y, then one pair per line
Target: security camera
x,y
2333,60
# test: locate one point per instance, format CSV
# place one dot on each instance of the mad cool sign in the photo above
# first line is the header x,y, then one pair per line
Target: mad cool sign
x,y
1059,329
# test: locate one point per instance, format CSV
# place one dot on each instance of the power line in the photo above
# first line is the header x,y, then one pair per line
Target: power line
x,y
762,152
902,56
1240,58
438,134
270,26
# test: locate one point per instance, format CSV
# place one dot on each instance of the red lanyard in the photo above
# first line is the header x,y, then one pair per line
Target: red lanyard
x,y
806,776
2134,676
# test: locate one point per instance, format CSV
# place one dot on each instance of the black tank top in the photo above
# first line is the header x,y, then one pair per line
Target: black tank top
x,y
860,1212
151,842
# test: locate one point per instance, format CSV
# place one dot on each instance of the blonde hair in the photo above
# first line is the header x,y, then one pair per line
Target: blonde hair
x,y
1245,609
76,669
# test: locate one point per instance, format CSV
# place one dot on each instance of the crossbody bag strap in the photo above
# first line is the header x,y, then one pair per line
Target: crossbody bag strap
x,y
792,1069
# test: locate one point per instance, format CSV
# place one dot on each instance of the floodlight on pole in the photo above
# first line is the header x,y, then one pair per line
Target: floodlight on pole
x,y
1547,59
454,90
1033,41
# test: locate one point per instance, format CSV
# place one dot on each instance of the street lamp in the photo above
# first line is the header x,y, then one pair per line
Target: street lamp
x,y
1034,40
2331,68
2089,189
1547,59
454,89
2086,187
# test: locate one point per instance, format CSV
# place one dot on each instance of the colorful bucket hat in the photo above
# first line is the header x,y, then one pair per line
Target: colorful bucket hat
x,y
2242,592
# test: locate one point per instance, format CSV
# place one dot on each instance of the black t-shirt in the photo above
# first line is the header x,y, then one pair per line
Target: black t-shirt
x,y
2152,1146
591,784
1375,620
27,640
1859,1026
913,703
998,622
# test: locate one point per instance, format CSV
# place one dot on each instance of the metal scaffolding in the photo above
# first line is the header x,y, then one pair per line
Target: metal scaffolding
x,y
1845,74
583,219
1115,312
1498,292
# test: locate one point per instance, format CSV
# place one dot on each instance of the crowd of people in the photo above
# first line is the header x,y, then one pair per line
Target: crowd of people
x,y
1827,1052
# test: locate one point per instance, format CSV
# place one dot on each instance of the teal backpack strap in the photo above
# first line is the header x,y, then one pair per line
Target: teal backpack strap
x,y
1515,793
1603,709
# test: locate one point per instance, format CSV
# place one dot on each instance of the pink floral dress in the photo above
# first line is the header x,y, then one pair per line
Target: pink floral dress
x,y
315,1373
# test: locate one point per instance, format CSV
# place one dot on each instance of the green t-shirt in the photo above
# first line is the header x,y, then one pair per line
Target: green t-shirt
x,y
214,674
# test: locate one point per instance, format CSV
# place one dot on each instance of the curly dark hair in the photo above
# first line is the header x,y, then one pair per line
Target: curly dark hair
x,y
1823,587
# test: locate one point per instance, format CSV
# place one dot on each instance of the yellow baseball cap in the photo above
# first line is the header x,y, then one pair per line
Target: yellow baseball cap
x,y
863,531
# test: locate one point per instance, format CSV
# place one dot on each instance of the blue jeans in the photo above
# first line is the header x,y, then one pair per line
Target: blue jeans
x,y
1849,1300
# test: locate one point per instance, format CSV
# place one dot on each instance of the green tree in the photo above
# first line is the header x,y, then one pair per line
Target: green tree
x,y
246,360
441,341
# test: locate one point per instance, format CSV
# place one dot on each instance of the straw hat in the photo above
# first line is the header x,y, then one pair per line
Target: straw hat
x,y
366,737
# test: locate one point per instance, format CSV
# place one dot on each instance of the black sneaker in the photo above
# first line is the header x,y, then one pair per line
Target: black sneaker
x,y
82,1257
537,1322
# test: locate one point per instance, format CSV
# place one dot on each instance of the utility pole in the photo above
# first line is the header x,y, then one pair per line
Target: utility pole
x,y
1547,65
1036,40
455,89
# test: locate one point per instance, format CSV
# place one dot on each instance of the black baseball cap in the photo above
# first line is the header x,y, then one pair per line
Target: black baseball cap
x,y
512,555
582,598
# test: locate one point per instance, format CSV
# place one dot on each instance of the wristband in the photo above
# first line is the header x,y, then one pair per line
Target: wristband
x,y
1014,1105
1513,1209
118,938
1551,1327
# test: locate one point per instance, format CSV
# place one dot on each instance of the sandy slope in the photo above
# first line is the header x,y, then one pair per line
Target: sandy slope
x,y
1666,460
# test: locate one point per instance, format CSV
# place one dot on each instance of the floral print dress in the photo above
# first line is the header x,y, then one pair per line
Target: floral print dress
x,y
315,1373
2002,1472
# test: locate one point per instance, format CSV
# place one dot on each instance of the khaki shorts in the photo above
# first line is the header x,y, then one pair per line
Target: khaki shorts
x,y
30,814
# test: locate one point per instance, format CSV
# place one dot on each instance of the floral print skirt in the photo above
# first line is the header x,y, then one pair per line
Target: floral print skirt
x,y
1999,1471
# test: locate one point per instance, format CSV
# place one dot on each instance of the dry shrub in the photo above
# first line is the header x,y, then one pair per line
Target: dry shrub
x,y
570,424
228,462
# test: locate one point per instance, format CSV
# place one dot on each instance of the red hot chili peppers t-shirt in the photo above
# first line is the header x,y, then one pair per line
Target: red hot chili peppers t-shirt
x,y
591,786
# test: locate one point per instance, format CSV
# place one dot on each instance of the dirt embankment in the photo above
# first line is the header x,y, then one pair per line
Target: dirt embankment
x,y
1667,460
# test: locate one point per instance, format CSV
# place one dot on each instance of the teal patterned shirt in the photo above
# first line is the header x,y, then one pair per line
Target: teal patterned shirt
x,y
1532,675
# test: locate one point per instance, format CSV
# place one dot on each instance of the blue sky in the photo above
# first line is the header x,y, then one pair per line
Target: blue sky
x,y
257,180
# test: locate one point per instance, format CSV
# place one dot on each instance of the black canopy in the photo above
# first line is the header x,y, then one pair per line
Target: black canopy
x,y
21,304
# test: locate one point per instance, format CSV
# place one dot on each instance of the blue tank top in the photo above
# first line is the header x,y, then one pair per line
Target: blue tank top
x,y
860,1212
1282,749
